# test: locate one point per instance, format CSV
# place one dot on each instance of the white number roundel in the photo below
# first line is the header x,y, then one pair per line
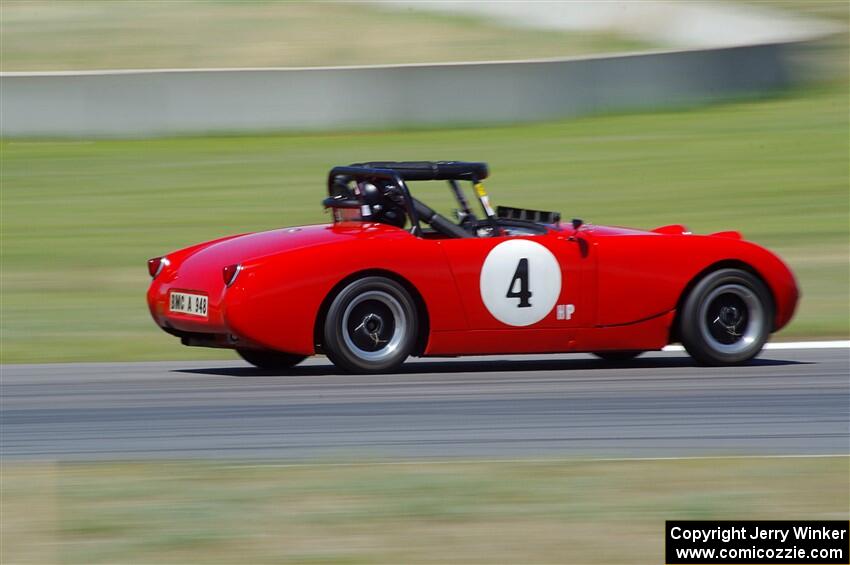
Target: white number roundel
x,y
520,282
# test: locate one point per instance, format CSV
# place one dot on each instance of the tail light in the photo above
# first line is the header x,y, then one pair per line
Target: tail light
x,y
230,273
156,265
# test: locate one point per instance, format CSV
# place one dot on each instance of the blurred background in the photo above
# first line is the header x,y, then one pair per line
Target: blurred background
x,y
98,170
725,115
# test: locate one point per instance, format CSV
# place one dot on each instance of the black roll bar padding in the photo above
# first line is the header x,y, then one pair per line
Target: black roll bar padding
x,y
364,173
437,221
432,170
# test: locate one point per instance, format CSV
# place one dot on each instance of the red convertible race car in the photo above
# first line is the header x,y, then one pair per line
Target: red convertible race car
x,y
390,278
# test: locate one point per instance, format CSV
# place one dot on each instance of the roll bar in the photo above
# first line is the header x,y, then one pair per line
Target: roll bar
x,y
365,173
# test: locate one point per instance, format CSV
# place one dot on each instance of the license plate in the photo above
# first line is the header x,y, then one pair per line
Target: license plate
x,y
192,304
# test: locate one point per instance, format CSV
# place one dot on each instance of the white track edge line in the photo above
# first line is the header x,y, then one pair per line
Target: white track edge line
x,y
450,461
834,344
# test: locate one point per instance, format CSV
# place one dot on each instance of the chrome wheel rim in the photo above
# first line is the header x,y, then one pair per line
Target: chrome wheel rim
x,y
731,319
374,325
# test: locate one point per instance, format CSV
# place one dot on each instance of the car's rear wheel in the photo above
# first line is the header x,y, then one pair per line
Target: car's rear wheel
x,y
272,360
617,356
371,326
727,317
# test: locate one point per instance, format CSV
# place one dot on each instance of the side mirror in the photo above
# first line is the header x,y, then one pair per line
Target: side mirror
x,y
577,223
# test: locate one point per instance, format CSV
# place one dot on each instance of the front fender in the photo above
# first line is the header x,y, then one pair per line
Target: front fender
x,y
641,276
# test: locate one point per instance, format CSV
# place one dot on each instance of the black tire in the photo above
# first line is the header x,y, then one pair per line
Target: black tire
x,y
272,360
371,326
726,318
617,356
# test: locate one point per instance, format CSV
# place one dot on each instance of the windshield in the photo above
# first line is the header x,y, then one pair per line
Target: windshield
x,y
347,215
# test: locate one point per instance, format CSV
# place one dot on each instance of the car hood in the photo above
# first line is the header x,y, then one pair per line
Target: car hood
x,y
672,229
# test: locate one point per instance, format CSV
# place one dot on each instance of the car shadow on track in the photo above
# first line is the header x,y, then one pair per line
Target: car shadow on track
x,y
488,366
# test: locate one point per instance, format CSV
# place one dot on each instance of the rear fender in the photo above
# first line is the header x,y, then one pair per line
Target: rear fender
x,y
277,300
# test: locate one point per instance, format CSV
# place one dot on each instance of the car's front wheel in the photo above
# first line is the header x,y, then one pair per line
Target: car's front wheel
x,y
272,360
727,317
371,326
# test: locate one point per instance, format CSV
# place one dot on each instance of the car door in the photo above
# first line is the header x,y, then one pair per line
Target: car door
x,y
522,287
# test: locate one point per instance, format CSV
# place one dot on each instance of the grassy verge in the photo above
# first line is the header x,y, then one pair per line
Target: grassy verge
x,y
80,218
110,34
517,512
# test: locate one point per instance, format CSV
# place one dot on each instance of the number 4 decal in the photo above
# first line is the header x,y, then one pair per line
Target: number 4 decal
x,y
520,282
520,279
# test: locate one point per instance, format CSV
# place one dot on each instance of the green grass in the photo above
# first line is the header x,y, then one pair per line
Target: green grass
x,y
80,218
479,512
74,34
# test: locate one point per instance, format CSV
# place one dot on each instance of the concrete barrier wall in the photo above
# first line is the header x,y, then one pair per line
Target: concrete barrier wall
x,y
152,103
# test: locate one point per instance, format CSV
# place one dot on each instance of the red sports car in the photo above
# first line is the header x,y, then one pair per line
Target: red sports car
x,y
390,278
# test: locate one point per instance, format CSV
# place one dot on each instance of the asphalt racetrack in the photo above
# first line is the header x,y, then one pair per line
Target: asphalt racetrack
x,y
786,402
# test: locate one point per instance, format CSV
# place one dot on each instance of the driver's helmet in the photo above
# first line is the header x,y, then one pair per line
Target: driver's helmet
x,y
341,187
385,202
